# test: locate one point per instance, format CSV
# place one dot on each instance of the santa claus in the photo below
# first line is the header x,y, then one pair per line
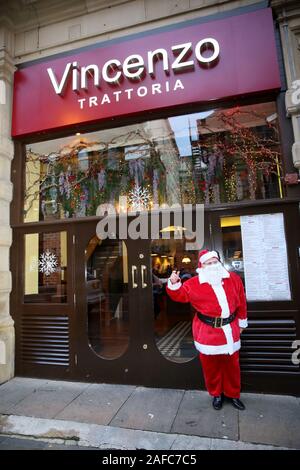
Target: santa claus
x,y
221,315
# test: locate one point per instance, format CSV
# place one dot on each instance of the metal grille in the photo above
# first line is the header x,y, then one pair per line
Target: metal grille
x,y
45,340
267,346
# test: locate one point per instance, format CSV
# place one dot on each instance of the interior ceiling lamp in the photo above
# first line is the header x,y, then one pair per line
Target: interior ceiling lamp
x,y
173,228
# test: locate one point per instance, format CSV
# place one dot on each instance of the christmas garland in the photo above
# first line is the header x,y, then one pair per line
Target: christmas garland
x,y
228,165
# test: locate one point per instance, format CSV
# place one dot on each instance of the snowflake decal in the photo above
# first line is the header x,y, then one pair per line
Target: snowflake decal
x,y
48,263
139,198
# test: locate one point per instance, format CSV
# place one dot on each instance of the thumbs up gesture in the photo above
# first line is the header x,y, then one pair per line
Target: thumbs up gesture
x,y
174,277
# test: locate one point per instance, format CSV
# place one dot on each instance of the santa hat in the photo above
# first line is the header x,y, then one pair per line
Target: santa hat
x,y
205,255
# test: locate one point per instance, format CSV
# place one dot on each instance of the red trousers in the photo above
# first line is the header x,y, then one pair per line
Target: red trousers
x,y
222,374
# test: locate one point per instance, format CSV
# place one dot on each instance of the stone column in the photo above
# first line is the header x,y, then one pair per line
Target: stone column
x,y
288,16
292,102
7,343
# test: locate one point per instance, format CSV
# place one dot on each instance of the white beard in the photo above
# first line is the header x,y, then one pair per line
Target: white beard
x,y
214,273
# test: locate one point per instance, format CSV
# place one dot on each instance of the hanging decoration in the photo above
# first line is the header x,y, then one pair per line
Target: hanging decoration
x,y
139,199
232,164
48,263
137,170
155,187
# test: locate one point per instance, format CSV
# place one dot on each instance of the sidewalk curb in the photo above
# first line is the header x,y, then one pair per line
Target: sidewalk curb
x,y
112,438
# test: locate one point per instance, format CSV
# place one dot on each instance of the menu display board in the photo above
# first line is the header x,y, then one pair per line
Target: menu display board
x,y
265,257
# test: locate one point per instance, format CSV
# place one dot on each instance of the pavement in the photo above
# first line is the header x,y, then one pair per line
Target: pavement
x,y
50,414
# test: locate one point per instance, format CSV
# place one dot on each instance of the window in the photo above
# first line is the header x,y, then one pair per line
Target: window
x,y
45,267
107,297
173,320
211,157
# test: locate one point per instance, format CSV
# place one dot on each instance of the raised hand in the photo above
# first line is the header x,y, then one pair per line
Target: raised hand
x,y
174,277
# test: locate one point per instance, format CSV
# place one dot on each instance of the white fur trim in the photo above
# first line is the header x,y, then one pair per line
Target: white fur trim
x,y
243,323
229,338
175,286
221,349
226,273
222,299
207,256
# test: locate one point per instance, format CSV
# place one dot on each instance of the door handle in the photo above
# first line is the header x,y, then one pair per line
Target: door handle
x,y
133,274
143,270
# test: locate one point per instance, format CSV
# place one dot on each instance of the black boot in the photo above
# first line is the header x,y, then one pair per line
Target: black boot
x,y
238,404
217,402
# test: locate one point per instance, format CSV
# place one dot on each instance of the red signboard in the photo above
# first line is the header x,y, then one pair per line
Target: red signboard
x,y
201,63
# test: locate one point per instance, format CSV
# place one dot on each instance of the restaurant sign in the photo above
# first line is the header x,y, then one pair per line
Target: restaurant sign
x,y
199,63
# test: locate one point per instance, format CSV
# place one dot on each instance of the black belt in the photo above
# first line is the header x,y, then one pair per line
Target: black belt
x,y
216,322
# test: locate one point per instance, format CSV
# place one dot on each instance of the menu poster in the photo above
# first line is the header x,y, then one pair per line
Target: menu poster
x,y
265,257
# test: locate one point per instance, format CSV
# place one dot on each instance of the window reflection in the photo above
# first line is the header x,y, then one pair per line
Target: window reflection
x,y
107,297
173,320
232,245
217,156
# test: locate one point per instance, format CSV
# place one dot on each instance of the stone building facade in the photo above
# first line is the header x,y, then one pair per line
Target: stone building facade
x,y
35,29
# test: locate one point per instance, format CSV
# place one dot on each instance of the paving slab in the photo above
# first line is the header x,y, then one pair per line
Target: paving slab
x,y
12,392
197,417
98,404
191,443
271,419
110,437
149,409
223,444
48,399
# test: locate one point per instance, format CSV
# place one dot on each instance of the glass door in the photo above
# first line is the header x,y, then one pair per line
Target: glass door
x,y
43,301
172,321
109,274
106,287
168,356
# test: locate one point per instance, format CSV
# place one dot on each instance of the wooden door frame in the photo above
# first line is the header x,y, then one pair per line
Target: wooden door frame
x,y
90,366
20,308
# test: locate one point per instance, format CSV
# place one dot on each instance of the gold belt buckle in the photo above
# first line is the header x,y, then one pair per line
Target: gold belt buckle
x,y
217,320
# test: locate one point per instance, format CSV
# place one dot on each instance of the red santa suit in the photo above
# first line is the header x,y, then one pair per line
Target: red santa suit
x,y
218,347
